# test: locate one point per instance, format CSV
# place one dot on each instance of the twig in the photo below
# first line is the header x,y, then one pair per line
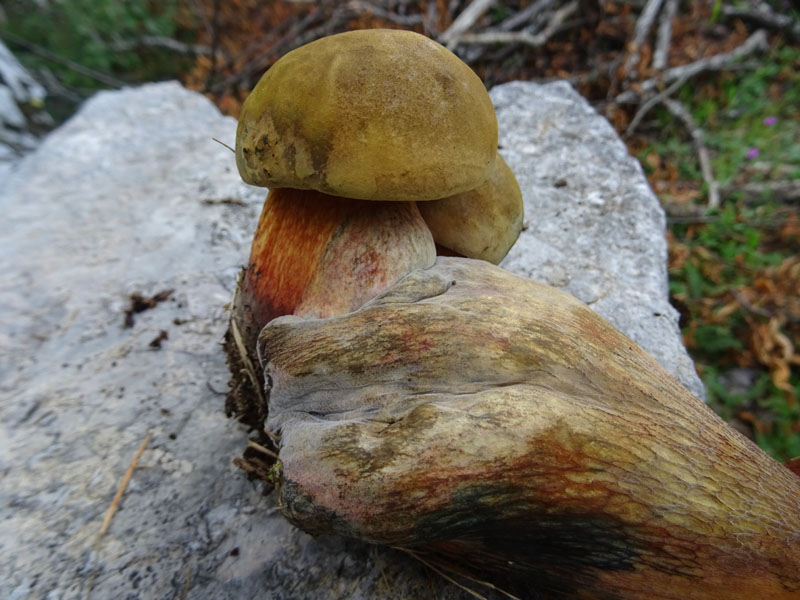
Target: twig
x,y
764,15
643,25
467,18
243,355
531,15
750,307
381,13
262,449
664,34
787,191
121,490
221,143
113,508
70,64
698,137
692,219
521,37
757,41
645,108
159,41
215,26
54,86
273,436
440,568
229,200
431,18
295,37
525,15
441,573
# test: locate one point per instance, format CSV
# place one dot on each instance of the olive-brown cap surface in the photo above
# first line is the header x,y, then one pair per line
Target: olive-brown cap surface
x,y
374,115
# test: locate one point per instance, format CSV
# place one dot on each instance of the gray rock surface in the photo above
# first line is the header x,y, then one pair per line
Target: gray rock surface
x,y
132,195
595,228
17,88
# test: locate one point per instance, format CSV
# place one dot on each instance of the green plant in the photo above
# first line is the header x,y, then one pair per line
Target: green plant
x,y
728,270
774,421
104,36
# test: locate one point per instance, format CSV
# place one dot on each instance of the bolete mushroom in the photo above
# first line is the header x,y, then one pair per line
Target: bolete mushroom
x,y
450,408
349,133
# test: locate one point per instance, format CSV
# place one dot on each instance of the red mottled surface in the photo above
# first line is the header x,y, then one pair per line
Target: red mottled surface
x,y
293,232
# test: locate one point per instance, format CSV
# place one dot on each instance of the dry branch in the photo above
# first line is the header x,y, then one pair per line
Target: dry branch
x,y
124,484
521,37
784,191
650,103
765,16
296,35
526,15
664,35
698,138
757,41
467,18
643,25
387,15
65,62
158,41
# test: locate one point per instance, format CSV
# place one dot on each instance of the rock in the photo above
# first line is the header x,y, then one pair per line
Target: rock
x,y
17,89
132,196
595,229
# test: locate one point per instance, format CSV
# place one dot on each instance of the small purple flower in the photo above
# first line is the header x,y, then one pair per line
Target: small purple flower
x,y
770,121
752,153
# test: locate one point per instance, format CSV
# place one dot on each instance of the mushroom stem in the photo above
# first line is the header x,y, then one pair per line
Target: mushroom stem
x,y
499,425
315,255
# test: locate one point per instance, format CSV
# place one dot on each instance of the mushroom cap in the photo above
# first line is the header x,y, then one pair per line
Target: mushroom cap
x,y
481,223
372,114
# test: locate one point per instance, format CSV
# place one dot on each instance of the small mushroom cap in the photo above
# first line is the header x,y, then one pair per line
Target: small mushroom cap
x,y
482,223
374,115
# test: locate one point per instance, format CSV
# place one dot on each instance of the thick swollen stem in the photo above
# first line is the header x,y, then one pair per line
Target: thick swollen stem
x,y
315,255
495,424
318,255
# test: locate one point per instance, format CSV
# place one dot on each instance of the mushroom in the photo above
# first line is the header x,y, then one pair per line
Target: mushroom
x,y
482,223
443,405
350,132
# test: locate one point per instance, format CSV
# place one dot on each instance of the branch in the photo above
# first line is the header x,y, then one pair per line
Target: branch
x,y
525,15
158,41
521,37
70,64
764,15
381,13
786,191
464,21
643,25
757,41
698,138
664,35
296,36
54,86
653,101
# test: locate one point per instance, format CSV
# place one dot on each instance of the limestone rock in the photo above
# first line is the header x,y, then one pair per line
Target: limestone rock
x,y
18,88
133,196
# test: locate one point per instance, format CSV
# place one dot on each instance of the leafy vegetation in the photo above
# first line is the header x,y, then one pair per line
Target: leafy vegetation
x,y
86,45
735,272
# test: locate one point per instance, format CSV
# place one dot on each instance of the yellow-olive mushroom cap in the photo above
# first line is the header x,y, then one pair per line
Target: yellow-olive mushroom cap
x,y
373,114
482,223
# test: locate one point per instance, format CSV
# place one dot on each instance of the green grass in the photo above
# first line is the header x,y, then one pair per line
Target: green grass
x,y
89,32
741,112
